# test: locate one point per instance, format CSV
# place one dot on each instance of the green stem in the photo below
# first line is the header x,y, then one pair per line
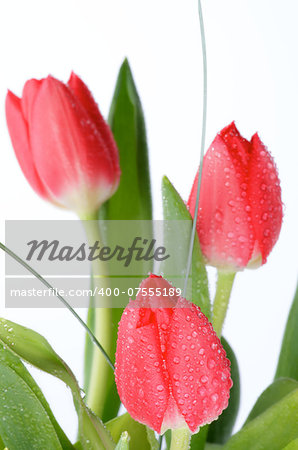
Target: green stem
x,y
225,282
180,439
100,371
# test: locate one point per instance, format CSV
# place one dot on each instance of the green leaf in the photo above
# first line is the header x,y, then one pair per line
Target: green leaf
x,y
175,209
2,445
168,438
14,363
24,423
292,445
123,443
275,392
221,429
288,358
273,429
136,431
198,441
132,201
153,442
213,446
35,349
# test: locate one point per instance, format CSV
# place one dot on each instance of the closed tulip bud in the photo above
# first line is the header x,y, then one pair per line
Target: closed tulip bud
x,y
171,369
63,145
240,207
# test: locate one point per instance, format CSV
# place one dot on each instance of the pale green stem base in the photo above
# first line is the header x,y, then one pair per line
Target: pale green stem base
x,y
225,282
100,370
180,439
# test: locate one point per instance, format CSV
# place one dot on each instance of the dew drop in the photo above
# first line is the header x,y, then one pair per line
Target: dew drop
x,y
141,393
214,398
218,216
211,363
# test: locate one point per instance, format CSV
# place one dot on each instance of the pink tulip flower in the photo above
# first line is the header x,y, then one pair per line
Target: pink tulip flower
x,y
171,369
63,145
240,207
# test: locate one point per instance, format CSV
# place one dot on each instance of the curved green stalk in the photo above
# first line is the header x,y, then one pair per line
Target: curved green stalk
x,y
203,137
65,303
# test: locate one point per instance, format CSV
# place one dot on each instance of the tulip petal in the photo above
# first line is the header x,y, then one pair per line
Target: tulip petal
x,y
140,376
30,92
224,223
197,366
70,155
18,131
265,197
86,99
238,146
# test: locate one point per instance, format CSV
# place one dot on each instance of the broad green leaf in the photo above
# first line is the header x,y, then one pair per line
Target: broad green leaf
x,y
275,392
175,209
24,424
198,441
153,442
136,431
288,358
168,437
273,429
292,445
35,349
123,443
14,363
221,429
132,201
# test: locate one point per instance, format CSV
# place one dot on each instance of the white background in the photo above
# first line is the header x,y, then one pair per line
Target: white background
x,y
253,78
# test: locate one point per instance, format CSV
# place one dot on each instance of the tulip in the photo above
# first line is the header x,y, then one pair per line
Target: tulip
x,y
63,145
171,369
240,207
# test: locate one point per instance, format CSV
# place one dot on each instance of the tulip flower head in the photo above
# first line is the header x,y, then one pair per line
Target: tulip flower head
x,y
240,207
63,145
171,369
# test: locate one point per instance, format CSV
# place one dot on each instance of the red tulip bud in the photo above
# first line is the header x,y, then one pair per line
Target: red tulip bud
x,y
240,207
171,369
63,145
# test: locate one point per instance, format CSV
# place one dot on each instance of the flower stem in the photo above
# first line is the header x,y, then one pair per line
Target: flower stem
x,y
100,371
180,439
225,282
